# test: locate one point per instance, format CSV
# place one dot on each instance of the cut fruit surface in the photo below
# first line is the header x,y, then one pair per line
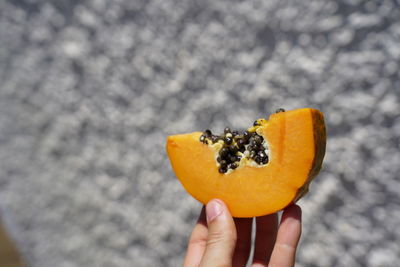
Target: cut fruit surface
x,y
294,146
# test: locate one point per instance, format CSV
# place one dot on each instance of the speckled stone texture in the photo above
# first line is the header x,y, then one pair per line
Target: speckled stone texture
x,y
90,89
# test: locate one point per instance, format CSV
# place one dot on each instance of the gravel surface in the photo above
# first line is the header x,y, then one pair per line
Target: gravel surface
x,y
90,90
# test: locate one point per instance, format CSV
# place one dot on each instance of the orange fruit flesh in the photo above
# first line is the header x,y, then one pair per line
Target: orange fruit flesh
x,y
296,142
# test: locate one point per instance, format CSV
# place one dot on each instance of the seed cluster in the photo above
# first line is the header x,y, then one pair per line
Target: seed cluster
x,y
235,146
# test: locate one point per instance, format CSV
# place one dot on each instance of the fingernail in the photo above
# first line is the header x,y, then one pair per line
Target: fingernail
x,y
213,210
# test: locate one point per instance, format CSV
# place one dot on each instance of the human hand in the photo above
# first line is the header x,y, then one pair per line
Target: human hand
x,y
219,240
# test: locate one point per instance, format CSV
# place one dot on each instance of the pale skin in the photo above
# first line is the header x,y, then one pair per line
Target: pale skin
x,y
220,240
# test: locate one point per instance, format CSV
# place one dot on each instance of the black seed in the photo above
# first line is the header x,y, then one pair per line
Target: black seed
x,y
233,149
208,133
253,142
224,152
223,163
280,110
235,133
240,143
242,149
222,170
253,154
219,159
228,140
261,154
233,158
246,135
258,159
251,147
255,123
202,138
227,130
232,166
265,160
215,138
254,148
258,139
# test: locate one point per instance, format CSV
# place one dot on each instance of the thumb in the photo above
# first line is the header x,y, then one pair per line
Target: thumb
x,y
221,239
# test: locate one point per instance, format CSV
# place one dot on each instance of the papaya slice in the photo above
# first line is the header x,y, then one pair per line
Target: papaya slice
x,y
291,148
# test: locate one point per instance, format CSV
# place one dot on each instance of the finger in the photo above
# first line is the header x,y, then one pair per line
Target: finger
x,y
221,237
197,241
266,230
289,232
243,243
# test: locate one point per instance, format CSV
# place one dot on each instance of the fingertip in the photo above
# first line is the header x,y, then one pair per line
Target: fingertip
x,y
214,208
294,211
289,233
221,237
290,226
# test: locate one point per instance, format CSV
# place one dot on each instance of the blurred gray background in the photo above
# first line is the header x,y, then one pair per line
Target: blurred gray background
x,y
90,89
